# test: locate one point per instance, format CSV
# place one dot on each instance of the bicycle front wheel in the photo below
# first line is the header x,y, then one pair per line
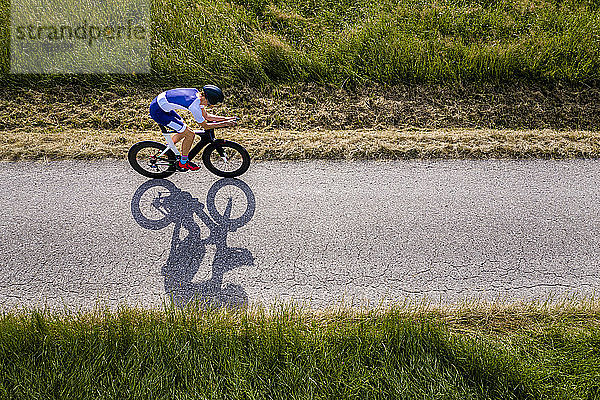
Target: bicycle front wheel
x,y
145,158
226,159
230,202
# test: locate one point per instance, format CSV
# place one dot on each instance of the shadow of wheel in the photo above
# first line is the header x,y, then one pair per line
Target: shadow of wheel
x,y
220,210
148,203
145,203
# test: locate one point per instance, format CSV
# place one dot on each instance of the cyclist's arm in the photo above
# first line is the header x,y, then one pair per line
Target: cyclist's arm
x,y
212,125
217,118
208,123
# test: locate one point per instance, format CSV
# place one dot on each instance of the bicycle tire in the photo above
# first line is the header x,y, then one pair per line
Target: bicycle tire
x,y
138,160
138,214
237,154
220,218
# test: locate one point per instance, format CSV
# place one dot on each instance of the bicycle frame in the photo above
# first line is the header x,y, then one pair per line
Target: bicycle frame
x,y
206,137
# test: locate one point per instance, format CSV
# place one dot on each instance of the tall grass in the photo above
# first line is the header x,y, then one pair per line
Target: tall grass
x,y
288,354
4,37
385,41
338,41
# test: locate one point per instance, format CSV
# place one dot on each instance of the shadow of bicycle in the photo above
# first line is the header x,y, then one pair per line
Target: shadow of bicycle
x,y
230,204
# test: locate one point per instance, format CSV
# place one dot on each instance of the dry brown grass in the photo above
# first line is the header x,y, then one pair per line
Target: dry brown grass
x,y
421,144
35,143
311,107
499,319
310,122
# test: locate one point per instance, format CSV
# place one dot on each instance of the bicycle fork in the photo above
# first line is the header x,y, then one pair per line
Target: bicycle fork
x,y
222,153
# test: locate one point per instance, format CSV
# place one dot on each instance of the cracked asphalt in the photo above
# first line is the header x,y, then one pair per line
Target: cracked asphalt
x,y
76,234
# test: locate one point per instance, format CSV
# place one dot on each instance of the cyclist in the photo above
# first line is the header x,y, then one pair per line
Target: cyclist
x,y
162,110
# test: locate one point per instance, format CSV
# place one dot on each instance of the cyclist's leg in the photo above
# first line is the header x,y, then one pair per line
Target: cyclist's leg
x,y
183,132
188,138
174,121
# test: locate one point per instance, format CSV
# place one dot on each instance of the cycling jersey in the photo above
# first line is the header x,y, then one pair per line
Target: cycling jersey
x,y
162,108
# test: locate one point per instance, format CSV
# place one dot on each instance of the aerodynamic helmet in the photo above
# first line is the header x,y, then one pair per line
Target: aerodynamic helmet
x,y
213,94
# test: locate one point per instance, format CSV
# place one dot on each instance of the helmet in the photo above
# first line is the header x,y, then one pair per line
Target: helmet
x,y
213,94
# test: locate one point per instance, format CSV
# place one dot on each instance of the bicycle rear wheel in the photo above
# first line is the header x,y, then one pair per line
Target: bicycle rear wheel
x,y
226,159
149,201
145,159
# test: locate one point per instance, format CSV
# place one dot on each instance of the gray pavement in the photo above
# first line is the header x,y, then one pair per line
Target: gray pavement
x,y
75,234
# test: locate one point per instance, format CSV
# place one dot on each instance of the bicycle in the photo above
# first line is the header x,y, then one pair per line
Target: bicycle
x,y
222,157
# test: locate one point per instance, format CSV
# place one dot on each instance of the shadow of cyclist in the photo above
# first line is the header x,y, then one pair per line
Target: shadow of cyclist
x,y
230,205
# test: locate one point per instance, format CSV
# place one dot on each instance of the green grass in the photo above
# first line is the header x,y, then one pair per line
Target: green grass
x,y
481,353
343,42
340,41
4,37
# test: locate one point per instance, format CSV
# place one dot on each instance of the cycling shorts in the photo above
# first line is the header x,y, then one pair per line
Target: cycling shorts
x,y
170,119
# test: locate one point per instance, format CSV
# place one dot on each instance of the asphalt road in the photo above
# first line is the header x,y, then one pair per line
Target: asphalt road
x,y
75,234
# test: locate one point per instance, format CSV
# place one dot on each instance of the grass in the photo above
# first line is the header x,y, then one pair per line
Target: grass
x,y
344,43
481,352
337,145
359,79
305,122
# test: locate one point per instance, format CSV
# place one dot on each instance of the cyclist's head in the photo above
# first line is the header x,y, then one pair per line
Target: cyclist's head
x,y
213,94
